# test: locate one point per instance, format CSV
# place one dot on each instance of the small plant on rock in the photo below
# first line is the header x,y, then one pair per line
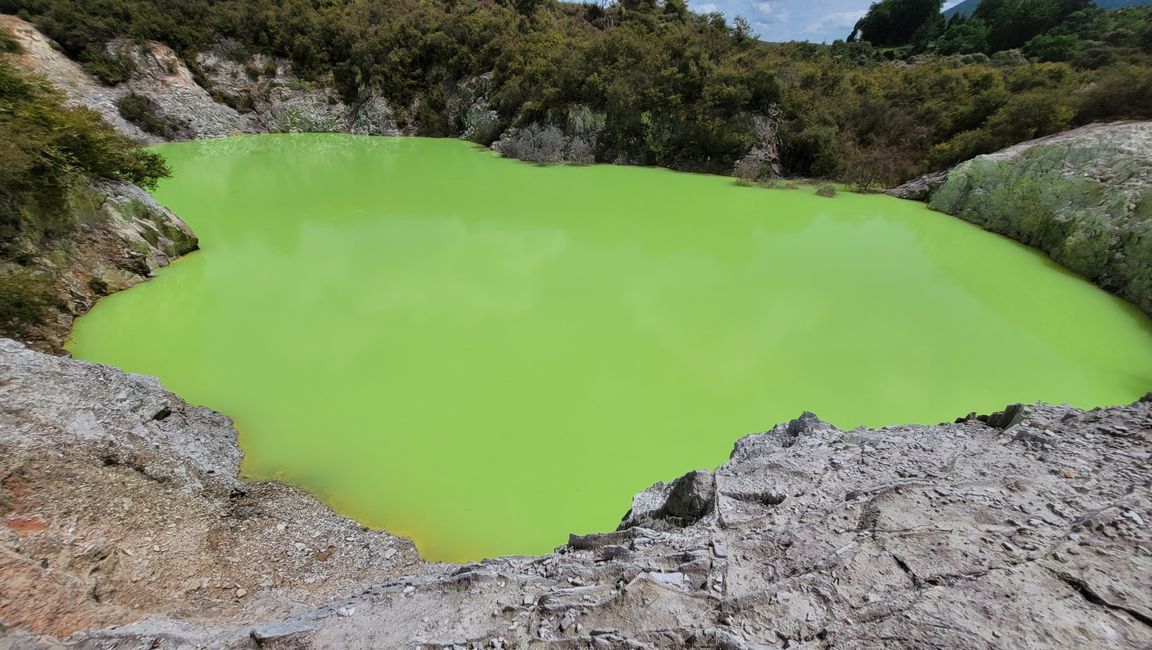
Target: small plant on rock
x,y
144,113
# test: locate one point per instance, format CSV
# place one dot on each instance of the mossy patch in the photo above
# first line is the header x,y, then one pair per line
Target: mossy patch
x,y
1041,198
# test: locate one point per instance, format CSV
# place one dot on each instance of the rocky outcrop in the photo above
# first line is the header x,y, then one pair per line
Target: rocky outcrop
x,y
120,507
78,87
119,502
470,112
274,99
921,188
162,77
762,161
574,142
1084,197
122,235
235,93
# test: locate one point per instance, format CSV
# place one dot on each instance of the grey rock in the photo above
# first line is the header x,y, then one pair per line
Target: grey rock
x,y
763,160
920,188
801,562
574,142
126,235
373,117
1084,197
692,496
162,77
540,143
283,634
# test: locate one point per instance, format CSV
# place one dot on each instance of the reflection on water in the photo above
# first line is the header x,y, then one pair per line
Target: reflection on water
x,y
487,355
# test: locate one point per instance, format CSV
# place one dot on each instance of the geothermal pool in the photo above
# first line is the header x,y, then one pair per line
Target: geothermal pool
x,y
486,355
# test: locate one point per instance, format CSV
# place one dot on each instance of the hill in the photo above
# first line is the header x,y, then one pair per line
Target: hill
x,y
968,6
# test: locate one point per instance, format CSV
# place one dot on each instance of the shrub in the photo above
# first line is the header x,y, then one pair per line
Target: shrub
x,y
145,113
8,45
25,300
535,143
815,151
1124,91
241,103
826,190
46,149
109,69
1053,48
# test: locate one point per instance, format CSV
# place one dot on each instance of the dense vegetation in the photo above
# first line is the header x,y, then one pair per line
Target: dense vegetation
x,y
662,85
45,149
47,154
1050,30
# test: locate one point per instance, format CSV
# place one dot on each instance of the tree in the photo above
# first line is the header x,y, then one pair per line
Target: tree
x,y
1012,23
742,30
896,22
963,36
1057,47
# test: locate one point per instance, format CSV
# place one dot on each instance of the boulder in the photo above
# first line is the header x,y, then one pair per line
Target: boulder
x,y
1084,197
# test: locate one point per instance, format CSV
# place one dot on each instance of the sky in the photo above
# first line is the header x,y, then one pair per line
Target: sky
x,y
819,21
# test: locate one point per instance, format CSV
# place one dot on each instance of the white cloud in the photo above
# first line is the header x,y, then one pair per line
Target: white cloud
x,y
771,12
787,20
841,21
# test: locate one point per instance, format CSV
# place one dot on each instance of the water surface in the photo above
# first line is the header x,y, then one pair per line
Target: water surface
x,y
487,355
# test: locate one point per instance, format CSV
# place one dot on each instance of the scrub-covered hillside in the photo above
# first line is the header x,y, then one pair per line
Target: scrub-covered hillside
x,y
74,225
649,82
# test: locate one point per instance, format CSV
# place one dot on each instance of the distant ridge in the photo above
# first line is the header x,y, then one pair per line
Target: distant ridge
x,y
968,6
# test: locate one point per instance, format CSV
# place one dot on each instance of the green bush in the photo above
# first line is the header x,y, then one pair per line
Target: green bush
x,y
8,45
144,113
1060,47
25,301
45,148
110,69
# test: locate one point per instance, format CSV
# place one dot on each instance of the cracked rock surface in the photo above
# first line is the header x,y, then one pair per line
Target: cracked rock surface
x,y
123,525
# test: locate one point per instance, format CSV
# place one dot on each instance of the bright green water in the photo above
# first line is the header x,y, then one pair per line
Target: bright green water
x,y
487,355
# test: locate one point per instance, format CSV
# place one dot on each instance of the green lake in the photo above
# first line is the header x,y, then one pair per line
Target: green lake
x,y
486,355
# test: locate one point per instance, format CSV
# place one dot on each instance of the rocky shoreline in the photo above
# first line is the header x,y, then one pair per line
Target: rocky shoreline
x,y
1084,197
123,525
123,237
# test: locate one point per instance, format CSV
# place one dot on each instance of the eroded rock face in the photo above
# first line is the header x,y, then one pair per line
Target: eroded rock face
x,y
160,76
963,535
119,501
920,188
123,235
762,161
78,87
1084,197
235,94
163,78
